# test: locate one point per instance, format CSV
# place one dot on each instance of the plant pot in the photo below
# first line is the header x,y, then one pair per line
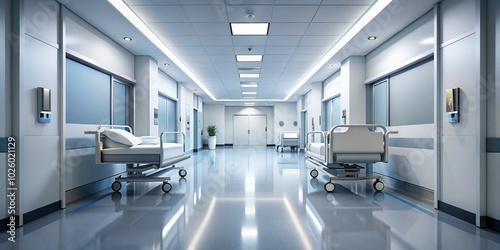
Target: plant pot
x,y
212,140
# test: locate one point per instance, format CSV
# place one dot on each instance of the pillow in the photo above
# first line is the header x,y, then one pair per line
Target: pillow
x,y
122,136
108,143
149,140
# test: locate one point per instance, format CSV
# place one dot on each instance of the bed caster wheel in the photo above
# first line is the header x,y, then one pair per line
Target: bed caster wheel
x,y
314,173
378,185
183,173
329,187
116,186
166,187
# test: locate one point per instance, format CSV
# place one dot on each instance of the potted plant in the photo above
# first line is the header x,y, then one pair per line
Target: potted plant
x,y
212,138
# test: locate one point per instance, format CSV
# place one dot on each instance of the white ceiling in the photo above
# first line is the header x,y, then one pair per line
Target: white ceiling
x,y
198,32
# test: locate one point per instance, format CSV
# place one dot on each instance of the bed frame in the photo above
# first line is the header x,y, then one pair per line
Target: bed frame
x,y
343,147
288,139
140,167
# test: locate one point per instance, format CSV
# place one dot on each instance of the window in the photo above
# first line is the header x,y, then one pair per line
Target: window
x,y
88,95
333,114
92,99
380,103
167,113
121,103
406,97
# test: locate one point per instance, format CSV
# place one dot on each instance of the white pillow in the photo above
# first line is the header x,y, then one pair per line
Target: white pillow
x,y
108,143
149,140
122,136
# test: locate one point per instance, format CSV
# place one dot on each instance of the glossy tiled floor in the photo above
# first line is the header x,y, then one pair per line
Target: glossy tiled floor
x,y
250,198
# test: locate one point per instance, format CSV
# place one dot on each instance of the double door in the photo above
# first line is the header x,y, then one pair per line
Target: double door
x,y
250,130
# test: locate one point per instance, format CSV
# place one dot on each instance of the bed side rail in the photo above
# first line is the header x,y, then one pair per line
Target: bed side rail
x,y
384,157
161,142
324,136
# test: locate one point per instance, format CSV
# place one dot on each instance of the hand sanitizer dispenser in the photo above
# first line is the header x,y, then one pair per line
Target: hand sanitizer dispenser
x,y
452,105
44,113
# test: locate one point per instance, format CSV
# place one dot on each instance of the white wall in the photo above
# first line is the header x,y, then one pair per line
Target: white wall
x,y
215,114
408,45
5,121
167,86
353,89
493,115
185,109
287,113
459,68
331,86
84,41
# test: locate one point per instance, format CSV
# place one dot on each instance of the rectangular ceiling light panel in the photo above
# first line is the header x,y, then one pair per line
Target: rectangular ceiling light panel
x,y
249,29
249,58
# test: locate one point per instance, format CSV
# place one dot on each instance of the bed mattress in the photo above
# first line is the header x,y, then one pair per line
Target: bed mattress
x,y
142,153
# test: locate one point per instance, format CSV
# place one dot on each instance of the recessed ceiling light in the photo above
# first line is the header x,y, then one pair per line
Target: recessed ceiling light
x,y
249,29
249,58
248,93
249,85
248,97
372,37
249,75
128,39
166,64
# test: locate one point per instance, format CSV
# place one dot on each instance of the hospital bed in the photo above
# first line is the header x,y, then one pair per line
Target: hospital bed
x,y
144,156
343,147
288,139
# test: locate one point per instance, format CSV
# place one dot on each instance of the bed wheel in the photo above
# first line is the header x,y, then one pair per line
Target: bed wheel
x,y
314,173
182,173
116,186
329,187
378,185
166,187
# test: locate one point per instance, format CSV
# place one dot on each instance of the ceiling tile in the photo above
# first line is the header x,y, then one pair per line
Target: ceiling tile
x,y
367,2
151,2
295,29
328,29
279,50
212,29
341,13
283,40
206,13
249,40
237,13
188,50
277,58
297,2
294,13
255,50
313,50
319,40
156,13
222,58
177,41
215,40
172,29
219,50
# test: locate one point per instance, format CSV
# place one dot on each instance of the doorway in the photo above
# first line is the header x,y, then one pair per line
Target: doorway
x,y
249,130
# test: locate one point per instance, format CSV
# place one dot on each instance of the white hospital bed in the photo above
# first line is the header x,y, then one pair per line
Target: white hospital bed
x,y
144,156
344,144
288,139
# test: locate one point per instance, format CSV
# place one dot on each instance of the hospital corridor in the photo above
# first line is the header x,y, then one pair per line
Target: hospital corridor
x,y
251,198
249,124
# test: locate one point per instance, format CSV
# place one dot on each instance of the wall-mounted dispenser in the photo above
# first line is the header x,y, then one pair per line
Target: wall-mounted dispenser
x,y
43,106
155,116
453,105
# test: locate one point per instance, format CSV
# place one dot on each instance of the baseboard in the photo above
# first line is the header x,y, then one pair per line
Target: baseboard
x,y
493,224
457,212
41,212
88,189
4,222
409,188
